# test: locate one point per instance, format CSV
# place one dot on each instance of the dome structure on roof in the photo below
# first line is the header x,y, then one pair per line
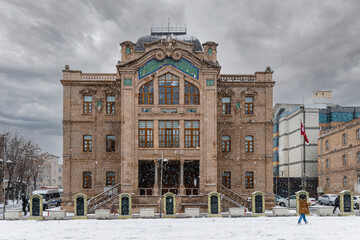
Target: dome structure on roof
x,y
178,33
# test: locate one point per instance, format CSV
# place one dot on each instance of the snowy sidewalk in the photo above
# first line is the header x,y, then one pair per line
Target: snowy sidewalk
x,y
199,228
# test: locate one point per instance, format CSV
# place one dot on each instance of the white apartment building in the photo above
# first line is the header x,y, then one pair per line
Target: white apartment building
x,y
51,174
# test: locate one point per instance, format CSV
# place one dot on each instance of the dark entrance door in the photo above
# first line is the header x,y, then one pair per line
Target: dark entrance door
x,y
35,207
214,207
347,203
169,205
125,205
80,207
258,204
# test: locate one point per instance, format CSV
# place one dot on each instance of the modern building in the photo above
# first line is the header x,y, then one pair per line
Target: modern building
x,y
51,173
339,158
167,100
288,145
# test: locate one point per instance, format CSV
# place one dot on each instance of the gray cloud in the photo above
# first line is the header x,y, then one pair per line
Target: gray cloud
x,y
311,45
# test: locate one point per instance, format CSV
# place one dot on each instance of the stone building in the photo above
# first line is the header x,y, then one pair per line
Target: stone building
x,y
167,99
339,158
51,173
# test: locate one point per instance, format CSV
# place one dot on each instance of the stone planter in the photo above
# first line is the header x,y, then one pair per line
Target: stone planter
x,y
102,213
237,211
280,211
324,210
13,214
57,214
147,213
192,212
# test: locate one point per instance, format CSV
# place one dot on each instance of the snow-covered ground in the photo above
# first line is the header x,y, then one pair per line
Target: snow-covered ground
x,y
199,228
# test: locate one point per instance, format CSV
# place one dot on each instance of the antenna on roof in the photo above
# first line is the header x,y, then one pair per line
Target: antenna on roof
x,y
168,26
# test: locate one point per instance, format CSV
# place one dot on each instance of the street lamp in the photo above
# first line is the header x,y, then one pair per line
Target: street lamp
x,y
161,160
3,181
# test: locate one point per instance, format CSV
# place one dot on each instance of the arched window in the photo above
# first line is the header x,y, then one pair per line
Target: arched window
x,y
249,144
169,89
146,93
192,96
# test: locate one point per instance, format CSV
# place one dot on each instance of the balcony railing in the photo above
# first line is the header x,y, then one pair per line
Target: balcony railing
x,y
98,76
237,78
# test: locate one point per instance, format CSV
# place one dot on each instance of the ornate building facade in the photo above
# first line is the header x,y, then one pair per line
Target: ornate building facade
x,y
167,100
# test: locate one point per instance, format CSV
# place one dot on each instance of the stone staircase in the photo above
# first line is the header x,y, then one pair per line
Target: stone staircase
x,y
103,198
232,196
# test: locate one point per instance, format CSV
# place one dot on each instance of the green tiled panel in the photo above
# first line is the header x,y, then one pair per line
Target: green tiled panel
x,y
183,65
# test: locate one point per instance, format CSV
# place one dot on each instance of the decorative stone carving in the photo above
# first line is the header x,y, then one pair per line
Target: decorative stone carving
x,y
160,55
226,91
87,91
249,92
176,55
111,91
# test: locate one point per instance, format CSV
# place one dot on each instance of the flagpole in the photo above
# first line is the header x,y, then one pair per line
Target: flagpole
x,y
304,169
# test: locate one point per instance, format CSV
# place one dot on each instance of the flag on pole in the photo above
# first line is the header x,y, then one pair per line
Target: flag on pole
x,y
303,133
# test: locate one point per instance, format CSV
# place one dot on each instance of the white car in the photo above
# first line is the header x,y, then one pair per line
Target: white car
x,y
327,199
285,202
356,202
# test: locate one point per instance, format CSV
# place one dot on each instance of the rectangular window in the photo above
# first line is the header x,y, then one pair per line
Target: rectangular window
x,y
327,163
192,134
146,177
249,144
358,134
328,182
344,157
87,180
358,157
169,89
345,181
358,179
344,138
327,145
249,180
87,104
110,143
110,104
226,143
226,105
110,178
249,105
146,134
168,134
87,143
226,179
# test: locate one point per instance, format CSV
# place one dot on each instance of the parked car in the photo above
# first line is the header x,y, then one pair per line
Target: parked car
x,y
277,199
327,199
356,201
285,202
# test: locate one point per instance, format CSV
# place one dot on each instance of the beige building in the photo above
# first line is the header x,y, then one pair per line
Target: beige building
x,y
339,158
51,173
167,98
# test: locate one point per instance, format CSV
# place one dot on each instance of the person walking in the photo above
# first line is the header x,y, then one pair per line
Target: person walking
x,y
24,204
303,209
336,204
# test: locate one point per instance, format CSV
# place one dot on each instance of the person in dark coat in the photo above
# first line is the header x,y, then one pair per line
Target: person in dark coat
x,y
24,204
337,204
303,209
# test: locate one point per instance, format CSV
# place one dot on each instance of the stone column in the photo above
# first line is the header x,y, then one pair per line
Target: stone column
x,y
182,187
156,183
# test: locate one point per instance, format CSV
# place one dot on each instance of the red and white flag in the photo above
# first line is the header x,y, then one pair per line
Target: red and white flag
x,y
303,133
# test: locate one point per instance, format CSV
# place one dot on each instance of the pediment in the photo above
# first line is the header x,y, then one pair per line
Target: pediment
x,y
87,91
249,92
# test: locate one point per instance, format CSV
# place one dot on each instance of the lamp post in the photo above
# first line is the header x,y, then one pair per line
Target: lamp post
x,y
161,160
4,162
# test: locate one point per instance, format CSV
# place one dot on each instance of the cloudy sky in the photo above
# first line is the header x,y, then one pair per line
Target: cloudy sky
x,y
311,45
